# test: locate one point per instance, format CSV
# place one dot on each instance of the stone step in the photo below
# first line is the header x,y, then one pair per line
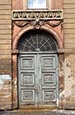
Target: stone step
x,y
23,112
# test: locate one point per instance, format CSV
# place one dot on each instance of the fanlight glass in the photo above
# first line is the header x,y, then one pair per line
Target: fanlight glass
x,y
37,41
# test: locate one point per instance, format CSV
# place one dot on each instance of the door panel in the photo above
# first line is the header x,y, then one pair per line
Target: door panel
x,y
27,97
48,62
28,62
27,79
49,95
49,78
27,71
38,79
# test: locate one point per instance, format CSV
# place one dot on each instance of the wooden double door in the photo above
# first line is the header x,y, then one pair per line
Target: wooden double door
x,y
37,79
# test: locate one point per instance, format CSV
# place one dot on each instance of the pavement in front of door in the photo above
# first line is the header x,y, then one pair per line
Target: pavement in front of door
x,y
54,112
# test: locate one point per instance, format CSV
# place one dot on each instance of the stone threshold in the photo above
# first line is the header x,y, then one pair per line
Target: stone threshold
x,y
38,112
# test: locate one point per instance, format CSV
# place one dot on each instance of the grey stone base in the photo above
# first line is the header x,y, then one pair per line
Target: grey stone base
x,y
56,112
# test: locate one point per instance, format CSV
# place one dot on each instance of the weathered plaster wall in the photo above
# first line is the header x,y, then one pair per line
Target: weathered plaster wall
x,y
67,96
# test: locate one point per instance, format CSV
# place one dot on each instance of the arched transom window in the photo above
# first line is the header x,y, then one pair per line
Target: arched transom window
x,y
37,40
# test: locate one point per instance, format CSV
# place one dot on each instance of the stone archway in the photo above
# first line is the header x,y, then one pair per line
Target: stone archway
x,y
37,69
49,30
16,40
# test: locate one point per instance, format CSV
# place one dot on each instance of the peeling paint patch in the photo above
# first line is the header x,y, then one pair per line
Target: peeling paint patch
x,y
5,91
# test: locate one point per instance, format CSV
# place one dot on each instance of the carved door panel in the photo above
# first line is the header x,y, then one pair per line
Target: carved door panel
x,y
27,73
49,79
37,79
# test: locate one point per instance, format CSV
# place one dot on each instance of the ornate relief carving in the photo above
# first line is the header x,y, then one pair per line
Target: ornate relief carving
x,y
21,23
38,23
54,24
34,14
37,18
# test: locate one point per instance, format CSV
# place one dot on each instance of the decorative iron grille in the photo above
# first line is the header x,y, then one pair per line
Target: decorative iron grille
x,y
37,40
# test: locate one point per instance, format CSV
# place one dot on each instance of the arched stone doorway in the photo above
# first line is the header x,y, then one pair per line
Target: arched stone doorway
x,y
37,69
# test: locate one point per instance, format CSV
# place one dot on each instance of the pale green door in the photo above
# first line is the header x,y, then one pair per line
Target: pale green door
x,y
38,79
